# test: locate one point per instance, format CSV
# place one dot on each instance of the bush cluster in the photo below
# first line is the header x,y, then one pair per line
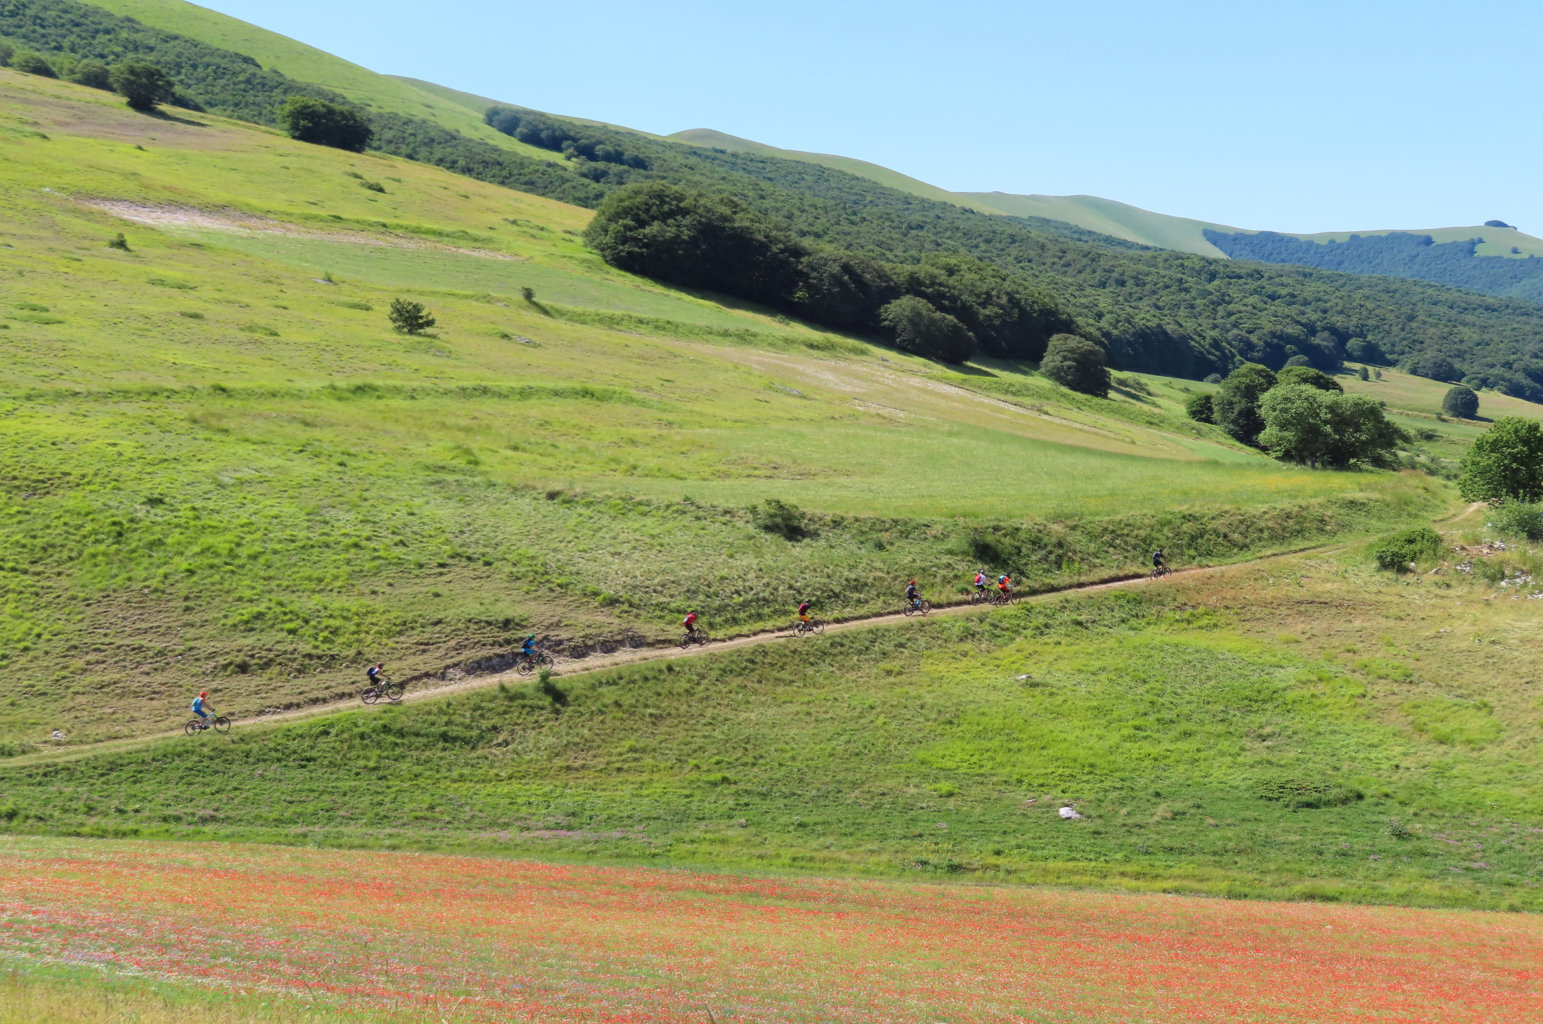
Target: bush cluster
x,y
325,124
1401,550
1301,415
1517,519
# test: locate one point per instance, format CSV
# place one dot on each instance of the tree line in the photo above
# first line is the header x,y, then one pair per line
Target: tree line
x,y
947,306
1397,254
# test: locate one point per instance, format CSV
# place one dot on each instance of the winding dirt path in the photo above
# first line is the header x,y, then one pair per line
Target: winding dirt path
x,y
632,656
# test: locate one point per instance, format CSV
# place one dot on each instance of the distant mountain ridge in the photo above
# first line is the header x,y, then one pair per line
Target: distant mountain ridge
x,y
1449,266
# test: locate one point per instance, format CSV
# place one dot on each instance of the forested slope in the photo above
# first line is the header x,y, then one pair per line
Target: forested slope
x,y
1397,253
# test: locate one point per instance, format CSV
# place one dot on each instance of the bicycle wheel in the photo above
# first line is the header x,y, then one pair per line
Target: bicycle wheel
x,y
545,661
924,607
370,695
393,691
909,610
192,727
525,667
221,724
817,626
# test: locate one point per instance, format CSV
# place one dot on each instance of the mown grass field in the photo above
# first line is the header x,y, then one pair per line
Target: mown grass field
x,y
223,933
1306,728
222,467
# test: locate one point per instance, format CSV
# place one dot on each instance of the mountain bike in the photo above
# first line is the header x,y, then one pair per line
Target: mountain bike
x,y
1160,571
383,687
699,637
530,662
917,607
802,628
219,723
980,596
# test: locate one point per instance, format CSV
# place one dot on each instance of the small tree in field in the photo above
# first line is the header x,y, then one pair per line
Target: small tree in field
x,y
1505,463
410,317
144,85
1461,402
325,124
1077,363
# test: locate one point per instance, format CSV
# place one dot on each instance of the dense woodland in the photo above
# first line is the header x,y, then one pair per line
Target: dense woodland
x,y
1396,254
1156,311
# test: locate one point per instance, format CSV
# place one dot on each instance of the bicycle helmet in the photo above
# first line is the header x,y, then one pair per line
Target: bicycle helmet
x,y
204,694
531,637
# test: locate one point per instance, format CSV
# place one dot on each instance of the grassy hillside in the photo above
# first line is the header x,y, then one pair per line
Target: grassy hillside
x,y
221,464
1111,218
1308,728
308,64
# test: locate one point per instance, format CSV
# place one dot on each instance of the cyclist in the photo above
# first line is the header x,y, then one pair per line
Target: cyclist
x,y
803,612
980,581
528,648
690,623
1005,584
374,672
1159,562
201,708
911,595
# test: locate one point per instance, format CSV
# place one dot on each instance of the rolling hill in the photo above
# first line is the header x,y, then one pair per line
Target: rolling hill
x,y
1155,311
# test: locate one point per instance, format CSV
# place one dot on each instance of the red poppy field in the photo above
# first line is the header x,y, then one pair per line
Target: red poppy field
x,y
441,937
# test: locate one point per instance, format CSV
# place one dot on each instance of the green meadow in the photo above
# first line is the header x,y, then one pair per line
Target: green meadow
x,y
1262,731
223,469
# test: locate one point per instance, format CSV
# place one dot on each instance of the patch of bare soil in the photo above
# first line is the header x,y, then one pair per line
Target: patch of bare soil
x,y
174,215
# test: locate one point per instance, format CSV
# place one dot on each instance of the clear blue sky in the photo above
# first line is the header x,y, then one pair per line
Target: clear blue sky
x,y
1300,116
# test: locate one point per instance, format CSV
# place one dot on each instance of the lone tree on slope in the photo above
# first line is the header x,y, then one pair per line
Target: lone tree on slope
x,y
1077,363
410,317
1461,402
143,85
325,124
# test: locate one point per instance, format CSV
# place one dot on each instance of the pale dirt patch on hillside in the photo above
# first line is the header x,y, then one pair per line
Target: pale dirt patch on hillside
x,y
173,215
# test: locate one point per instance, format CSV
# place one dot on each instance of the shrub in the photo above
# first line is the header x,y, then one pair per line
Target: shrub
x,y
410,317
92,73
1460,402
32,64
1398,552
1201,408
1075,362
119,242
1505,463
918,326
528,293
1517,519
781,518
143,85
1361,374
325,124
1213,378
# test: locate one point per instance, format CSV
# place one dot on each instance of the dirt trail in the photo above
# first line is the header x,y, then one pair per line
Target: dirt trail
x,y
632,656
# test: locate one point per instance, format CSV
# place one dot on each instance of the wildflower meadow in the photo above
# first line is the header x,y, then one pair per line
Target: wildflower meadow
x,y
412,936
